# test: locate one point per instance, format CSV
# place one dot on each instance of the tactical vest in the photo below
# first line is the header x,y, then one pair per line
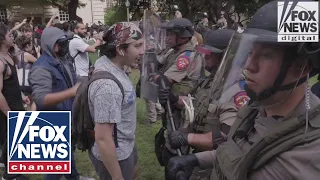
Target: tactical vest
x,y
206,112
234,164
184,87
201,104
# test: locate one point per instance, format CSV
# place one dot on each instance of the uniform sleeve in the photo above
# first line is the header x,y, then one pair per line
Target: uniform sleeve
x,y
106,98
179,69
228,113
206,159
41,83
301,162
225,112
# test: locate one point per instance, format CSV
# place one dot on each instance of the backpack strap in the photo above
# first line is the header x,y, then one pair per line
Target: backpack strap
x,y
108,75
76,56
73,59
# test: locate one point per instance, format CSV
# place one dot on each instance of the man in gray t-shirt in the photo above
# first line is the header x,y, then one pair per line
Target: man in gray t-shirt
x,y
109,106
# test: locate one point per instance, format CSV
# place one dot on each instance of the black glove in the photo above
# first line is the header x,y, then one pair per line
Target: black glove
x,y
178,139
181,167
165,94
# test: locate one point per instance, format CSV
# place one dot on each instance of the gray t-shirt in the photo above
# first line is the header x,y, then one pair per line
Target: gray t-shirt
x,y
106,106
78,45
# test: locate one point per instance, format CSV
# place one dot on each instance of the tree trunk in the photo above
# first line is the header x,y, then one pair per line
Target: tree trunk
x,y
72,10
227,9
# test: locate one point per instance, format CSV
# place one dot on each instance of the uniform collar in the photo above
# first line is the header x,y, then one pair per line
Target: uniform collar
x,y
299,110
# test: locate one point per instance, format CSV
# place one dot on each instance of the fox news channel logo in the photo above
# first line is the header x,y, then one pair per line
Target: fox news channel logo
x,y
298,21
39,142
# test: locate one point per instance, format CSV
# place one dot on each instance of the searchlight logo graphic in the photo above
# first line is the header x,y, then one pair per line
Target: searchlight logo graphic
x,y
298,21
39,142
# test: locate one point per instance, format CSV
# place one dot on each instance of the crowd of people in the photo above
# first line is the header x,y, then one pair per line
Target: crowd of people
x,y
251,116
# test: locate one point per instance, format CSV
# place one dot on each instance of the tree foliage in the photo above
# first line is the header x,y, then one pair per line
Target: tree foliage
x,y
114,15
238,10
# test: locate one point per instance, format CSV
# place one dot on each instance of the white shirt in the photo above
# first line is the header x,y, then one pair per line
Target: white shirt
x,y
77,44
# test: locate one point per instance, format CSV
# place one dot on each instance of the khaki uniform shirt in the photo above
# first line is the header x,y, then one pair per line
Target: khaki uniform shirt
x,y
299,163
185,69
224,110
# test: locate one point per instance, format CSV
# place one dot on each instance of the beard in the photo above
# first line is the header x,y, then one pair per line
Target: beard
x,y
82,35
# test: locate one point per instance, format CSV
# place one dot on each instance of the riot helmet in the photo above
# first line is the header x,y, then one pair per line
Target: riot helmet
x,y
175,7
205,15
215,43
267,65
181,27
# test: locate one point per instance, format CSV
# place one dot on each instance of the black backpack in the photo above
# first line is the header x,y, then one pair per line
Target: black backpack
x,y
83,134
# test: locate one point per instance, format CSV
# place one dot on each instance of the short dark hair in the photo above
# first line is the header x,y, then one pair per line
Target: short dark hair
x,y
76,25
22,42
27,28
110,50
3,32
66,26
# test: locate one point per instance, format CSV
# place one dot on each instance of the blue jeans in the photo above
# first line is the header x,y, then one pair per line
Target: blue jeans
x,y
74,173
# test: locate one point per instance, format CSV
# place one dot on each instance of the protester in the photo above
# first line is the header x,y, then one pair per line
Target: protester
x,y
111,108
53,86
25,59
79,49
10,95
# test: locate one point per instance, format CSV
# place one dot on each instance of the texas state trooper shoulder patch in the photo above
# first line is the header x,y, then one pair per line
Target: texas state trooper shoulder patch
x,y
182,62
241,99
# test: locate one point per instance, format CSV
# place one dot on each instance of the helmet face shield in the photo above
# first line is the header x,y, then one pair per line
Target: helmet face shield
x,y
258,62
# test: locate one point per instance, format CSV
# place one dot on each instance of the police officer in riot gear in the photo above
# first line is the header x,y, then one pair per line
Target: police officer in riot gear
x,y
181,69
276,136
212,119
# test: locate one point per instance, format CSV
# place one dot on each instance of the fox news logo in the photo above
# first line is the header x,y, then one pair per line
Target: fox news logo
x,y
39,142
298,21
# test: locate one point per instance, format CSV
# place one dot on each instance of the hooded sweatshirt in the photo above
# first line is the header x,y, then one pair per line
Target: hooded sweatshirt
x,y
49,74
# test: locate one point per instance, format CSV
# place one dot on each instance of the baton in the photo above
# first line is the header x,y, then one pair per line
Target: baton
x,y
170,116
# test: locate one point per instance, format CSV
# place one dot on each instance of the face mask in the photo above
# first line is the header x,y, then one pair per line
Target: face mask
x,y
63,48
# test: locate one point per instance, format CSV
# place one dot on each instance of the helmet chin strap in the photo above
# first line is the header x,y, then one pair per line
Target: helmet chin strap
x,y
273,90
279,80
